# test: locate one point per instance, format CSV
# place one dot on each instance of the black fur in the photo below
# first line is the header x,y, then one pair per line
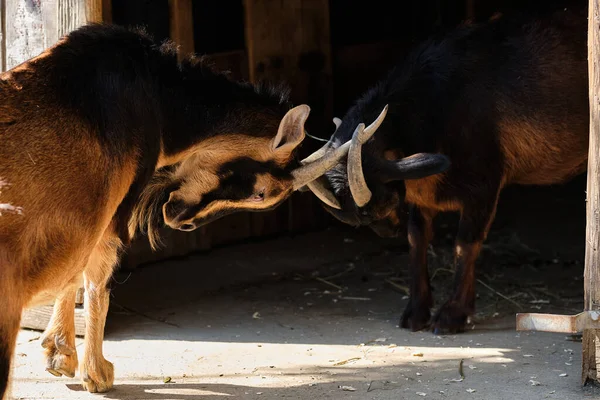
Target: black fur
x,y
135,96
470,95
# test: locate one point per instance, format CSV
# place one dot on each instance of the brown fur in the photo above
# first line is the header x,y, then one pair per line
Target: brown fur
x,y
74,188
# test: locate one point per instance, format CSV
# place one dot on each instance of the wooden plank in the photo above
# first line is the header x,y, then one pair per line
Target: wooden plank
x,y
98,10
470,9
591,342
37,318
290,41
25,36
71,14
182,25
2,35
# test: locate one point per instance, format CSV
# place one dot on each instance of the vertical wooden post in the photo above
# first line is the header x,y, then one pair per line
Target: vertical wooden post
x,y
290,41
98,10
591,340
470,9
3,33
182,26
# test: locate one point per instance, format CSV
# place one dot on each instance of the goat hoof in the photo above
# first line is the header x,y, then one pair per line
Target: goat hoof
x,y
97,377
450,318
415,317
61,358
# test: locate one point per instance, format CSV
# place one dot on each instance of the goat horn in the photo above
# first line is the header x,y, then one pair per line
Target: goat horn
x,y
317,187
356,179
312,170
323,193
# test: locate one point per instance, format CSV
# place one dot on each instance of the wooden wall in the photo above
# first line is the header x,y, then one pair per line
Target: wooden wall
x,y
328,51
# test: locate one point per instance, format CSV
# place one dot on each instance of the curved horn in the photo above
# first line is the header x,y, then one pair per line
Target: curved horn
x,y
416,166
356,179
311,171
323,193
318,188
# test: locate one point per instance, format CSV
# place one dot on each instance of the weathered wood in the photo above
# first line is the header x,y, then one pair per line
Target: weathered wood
x,y
2,35
289,41
591,342
37,318
470,9
98,10
71,14
182,25
25,36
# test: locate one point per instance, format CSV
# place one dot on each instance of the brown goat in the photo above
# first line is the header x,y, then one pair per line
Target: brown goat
x,y
83,128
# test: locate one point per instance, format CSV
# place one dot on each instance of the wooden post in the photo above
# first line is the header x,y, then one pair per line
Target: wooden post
x,y
182,26
290,41
470,9
591,340
98,10
3,35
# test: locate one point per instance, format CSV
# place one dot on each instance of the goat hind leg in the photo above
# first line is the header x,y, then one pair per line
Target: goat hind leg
x,y
473,228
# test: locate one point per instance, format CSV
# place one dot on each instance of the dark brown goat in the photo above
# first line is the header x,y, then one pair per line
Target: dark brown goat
x,y
504,102
83,128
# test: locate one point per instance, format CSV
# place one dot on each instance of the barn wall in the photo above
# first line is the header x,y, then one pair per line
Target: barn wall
x,y
355,44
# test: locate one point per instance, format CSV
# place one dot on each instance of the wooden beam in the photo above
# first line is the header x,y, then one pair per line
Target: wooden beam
x,y
289,41
470,9
98,11
24,35
3,35
182,26
591,338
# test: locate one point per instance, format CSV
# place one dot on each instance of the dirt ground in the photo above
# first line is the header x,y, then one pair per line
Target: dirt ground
x,y
316,316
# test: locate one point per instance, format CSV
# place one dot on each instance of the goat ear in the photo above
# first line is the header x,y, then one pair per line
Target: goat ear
x,y
416,166
291,131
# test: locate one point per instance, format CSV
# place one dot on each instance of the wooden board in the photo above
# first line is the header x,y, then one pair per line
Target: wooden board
x,y
98,10
24,35
37,318
289,41
591,340
182,25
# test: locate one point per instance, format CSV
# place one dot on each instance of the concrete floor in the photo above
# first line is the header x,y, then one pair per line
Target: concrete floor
x,y
253,321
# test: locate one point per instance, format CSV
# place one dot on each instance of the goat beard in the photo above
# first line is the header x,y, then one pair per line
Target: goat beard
x,y
147,216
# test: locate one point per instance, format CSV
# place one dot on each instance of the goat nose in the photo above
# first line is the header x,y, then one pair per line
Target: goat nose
x,y
187,227
173,209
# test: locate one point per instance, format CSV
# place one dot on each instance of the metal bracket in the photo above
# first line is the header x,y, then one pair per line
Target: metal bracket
x,y
558,323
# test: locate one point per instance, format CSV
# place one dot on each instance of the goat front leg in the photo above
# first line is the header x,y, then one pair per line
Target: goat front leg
x,y
97,374
473,227
416,315
58,339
